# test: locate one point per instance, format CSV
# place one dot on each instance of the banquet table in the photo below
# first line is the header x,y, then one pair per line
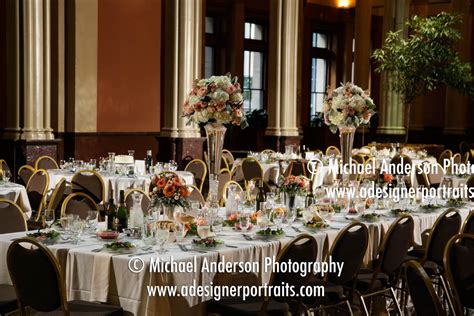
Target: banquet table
x,y
271,171
16,193
105,277
115,183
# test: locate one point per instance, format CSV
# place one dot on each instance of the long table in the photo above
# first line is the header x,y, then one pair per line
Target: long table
x,y
105,277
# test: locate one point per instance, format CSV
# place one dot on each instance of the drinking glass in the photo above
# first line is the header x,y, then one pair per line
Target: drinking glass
x,y
290,216
244,221
48,217
92,220
77,227
180,232
62,164
162,236
278,218
149,236
131,152
217,224
203,230
93,163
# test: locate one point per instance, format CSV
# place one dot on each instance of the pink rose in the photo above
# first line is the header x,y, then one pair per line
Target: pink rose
x,y
212,87
231,89
202,92
211,109
238,112
220,106
188,109
237,86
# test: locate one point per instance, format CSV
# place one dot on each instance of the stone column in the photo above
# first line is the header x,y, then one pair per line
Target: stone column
x,y
391,111
283,75
37,75
182,61
456,106
363,22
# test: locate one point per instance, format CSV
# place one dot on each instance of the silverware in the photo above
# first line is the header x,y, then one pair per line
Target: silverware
x,y
97,250
231,246
247,237
186,249
296,229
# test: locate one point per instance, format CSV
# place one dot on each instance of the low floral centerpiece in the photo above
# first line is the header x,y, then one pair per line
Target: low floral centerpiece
x,y
213,103
344,109
169,190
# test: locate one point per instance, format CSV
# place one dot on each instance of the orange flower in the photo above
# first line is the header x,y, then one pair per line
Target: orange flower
x,y
168,191
387,177
184,192
161,183
177,181
232,217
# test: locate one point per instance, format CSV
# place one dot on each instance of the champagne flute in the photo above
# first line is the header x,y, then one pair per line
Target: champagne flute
x,y
92,220
180,232
290,216
49,217
162,236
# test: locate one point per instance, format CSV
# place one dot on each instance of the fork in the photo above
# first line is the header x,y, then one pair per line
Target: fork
x,y
247,237
296,229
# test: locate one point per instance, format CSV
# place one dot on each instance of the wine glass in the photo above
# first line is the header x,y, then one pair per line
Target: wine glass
x,y
244,221
217,224
76,227
149,236
92,220
162,236
278,216
6,175
49,217
290,216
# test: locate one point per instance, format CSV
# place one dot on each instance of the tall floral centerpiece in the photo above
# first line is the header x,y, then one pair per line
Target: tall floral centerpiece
x,y
344,109
213,103
292,186
169,190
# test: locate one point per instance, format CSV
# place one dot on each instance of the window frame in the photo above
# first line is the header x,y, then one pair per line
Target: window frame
x,y
260,46
321,53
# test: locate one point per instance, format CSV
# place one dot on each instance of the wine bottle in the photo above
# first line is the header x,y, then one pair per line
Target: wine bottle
x,y
148,160
110,214
122,212
310,196
260,197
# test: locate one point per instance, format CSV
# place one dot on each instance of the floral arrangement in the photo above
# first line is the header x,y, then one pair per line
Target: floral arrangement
x,y
347,106
217,99
294,185
169,188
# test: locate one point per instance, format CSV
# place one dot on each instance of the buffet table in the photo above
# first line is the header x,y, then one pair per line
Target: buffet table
x,y
105,277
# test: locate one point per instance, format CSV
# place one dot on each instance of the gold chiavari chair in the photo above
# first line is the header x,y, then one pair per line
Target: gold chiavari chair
x,y
78,203
24,174
446,154
332,151
12,218
199,170
146,202
36,188
89,182
46,163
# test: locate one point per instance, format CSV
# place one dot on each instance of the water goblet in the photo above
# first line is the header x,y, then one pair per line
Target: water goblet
x,y
149,233
244,221
278,216
92,219
49,217
217,224
290,216
162,236
180,232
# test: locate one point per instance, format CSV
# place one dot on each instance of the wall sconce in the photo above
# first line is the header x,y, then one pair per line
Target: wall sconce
x,y
343,3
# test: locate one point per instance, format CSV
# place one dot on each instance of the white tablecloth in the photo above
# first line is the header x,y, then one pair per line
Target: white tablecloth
x,y
16,193
113,184
271,171
100,276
